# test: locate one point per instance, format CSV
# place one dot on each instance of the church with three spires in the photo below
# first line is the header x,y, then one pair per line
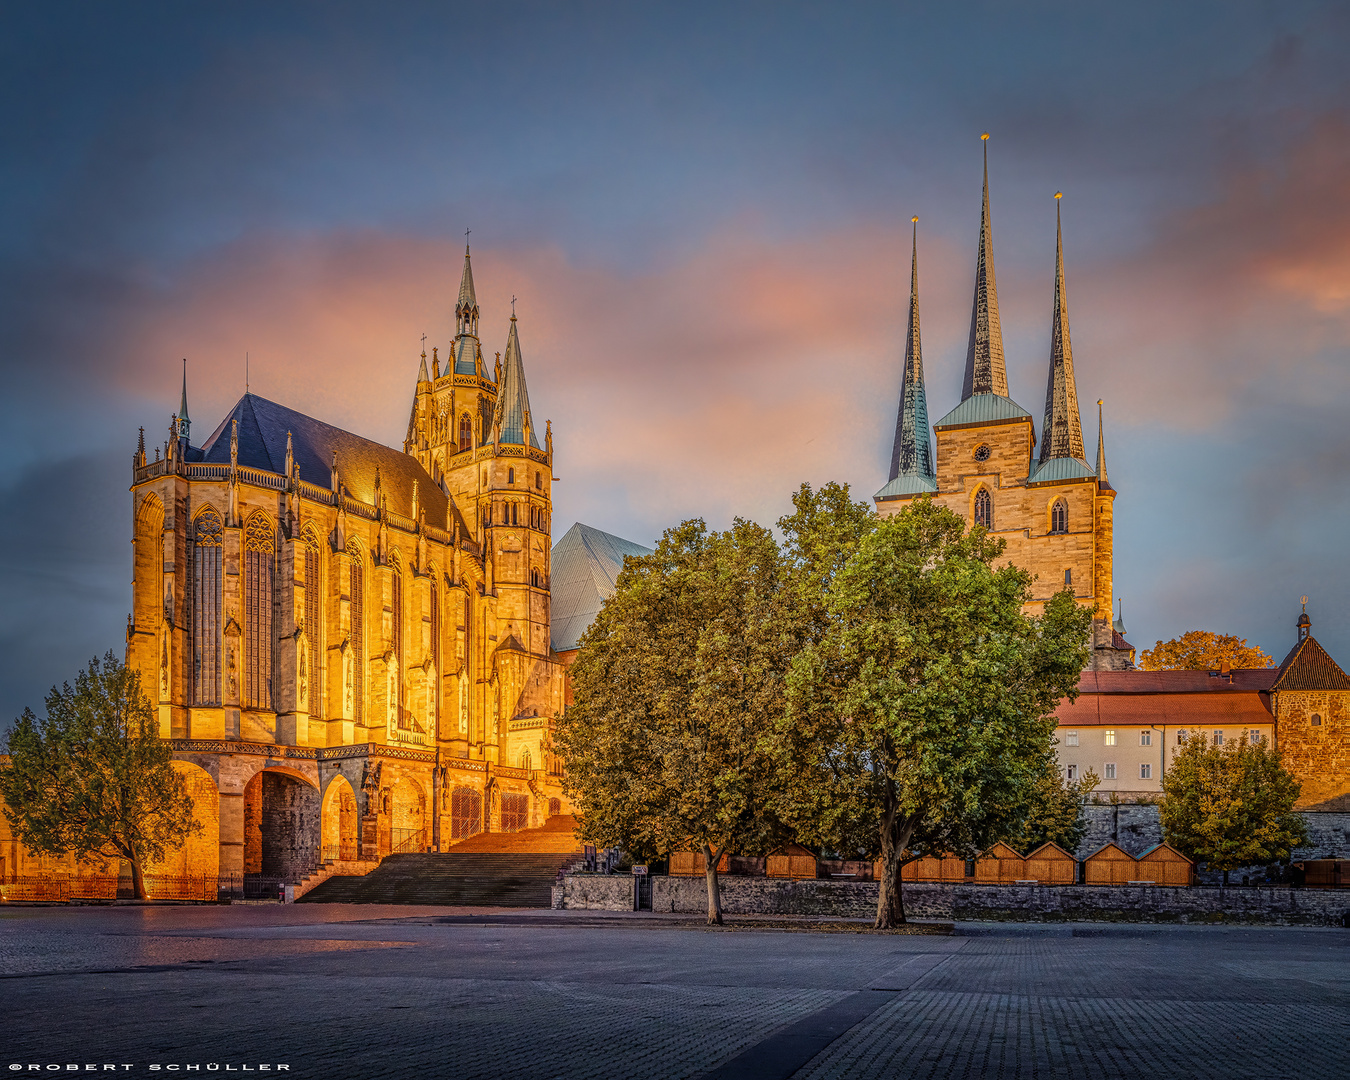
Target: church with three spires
x,y
983,458
348,645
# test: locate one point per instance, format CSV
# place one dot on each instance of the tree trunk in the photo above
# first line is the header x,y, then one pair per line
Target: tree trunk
x,y
1225,879
138,879
895,835
710,860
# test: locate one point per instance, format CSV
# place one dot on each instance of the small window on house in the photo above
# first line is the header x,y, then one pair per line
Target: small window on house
x,y
510,476
1071,738
1316,720
1071,772
1059,517
1068,579
1255,737
1110,770
984,508
1145,771
1109,739
1181,736
1218,737
1146,738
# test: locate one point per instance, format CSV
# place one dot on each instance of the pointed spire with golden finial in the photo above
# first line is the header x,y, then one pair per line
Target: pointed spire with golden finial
x,y
985,369
1102,481
911,454
1062,433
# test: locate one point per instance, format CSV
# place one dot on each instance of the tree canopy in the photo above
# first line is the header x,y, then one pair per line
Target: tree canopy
x,y
93,777
1232,805
922,715
1203,650
677,682
1053,811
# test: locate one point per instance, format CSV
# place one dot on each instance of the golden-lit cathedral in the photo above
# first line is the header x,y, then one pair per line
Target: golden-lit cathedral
x,y
1052,508
348,644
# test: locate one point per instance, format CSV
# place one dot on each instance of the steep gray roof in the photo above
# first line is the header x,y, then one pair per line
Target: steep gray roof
x,y
984,409
263,426
1062,432
586,565
513,399
986,372
911,454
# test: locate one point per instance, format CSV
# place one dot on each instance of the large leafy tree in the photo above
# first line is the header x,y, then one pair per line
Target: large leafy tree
x,y
1231,805
923,714
93,777
677,682
1053,811
1203,650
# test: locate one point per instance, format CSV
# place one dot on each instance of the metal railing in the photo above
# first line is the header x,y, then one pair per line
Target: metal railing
x,y
407,840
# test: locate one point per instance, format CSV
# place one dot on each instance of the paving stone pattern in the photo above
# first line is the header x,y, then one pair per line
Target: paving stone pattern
x,y
359,991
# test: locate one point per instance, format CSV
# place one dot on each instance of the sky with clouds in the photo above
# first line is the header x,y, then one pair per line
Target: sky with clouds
x,y
703,210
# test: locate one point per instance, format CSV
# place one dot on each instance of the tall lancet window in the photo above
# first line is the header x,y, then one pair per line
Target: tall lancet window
x,y
396,630
434,691
465,433
984,508
259,553
207,545
313,624
356,585
1059,517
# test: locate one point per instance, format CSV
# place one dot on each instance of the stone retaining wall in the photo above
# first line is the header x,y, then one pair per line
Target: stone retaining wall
x,y
972,903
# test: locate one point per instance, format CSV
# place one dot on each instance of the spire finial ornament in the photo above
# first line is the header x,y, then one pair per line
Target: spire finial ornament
x,y
1304,623
986,372
1062,432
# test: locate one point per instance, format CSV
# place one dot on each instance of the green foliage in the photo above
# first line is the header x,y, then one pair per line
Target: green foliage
x,y
93,777
677,682
1053,811
921,715
1203,650
1231,805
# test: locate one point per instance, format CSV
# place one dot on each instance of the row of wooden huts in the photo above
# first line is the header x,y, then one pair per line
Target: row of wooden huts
x,y
1049,864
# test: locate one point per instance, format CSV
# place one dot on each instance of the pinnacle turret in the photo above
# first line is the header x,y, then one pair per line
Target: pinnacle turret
x,y
911,454
1102,480
1062,433
986,372
511,425
184,422
465,349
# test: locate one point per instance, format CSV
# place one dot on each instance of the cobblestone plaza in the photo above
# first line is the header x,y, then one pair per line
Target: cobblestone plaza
x,y
365,992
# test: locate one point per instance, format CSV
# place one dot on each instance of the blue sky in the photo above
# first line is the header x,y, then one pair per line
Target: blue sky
x,y
703,210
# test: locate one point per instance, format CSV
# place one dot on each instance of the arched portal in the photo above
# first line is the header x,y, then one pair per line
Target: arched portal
x,y
408,817
281,830
339,821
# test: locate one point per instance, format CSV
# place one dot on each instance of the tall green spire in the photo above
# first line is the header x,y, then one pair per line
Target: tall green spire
x,y
912,453
985,369
184,423
1062,433
513,419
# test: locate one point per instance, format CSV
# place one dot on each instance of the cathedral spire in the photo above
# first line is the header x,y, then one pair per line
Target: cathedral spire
x,y
511,426
985,370
466,323
183,421
911,454
1102,481
1062,433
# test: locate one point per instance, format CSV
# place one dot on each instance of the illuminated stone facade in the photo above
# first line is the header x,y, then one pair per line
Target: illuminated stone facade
x,y
349,644
1052,508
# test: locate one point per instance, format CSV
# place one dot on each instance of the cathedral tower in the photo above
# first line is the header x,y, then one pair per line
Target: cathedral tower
x,y
1053,509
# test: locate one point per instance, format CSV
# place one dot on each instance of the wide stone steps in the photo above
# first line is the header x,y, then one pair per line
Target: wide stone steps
x,y
469,878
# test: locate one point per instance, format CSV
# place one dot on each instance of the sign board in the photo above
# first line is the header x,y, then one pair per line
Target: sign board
x,y
639,871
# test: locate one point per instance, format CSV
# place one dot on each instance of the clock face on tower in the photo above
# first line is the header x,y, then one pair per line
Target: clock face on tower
x,y
982,452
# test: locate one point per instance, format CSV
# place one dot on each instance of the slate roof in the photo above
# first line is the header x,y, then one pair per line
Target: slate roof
x,y
1062,430
586,565
911,453
905,485
1061,469
984,409
513,399
1309,667
263,426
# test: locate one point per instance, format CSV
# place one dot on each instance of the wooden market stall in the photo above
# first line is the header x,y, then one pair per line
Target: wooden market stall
x,y
1165,865
949,868
693,864
1050,864
1111,865
1000,865
791,861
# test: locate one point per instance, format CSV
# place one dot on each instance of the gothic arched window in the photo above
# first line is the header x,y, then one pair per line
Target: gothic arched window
x,y
526,762
356,584
433,701
396,629
313,623
259,552
465,433
984,508
207,545
1059,517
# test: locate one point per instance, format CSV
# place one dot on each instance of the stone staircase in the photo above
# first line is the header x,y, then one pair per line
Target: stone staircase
x,y
491,869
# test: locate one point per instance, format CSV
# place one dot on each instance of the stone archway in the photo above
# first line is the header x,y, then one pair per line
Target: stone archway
x,y
199,856
281,829
339,821
407,816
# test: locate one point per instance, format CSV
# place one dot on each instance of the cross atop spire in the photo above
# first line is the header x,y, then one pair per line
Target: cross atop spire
x,y
985,369
911,454
1062,434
